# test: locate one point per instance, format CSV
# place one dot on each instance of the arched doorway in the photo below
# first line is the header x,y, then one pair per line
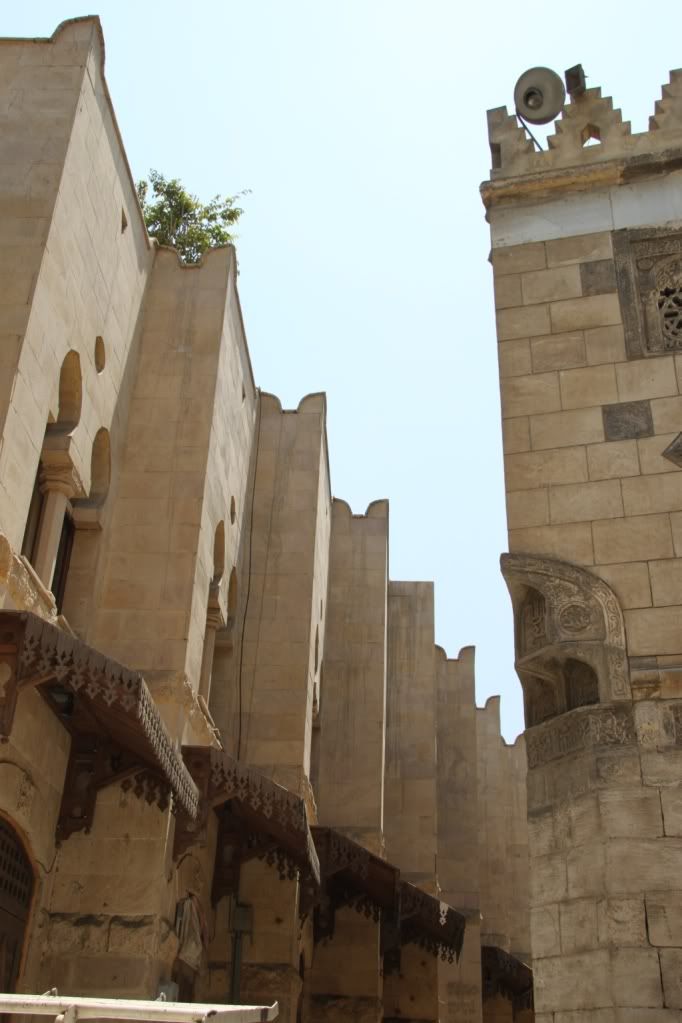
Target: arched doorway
x,y
16,889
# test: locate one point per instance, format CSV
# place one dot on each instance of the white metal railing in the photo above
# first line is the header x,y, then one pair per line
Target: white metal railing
x,y
68,1009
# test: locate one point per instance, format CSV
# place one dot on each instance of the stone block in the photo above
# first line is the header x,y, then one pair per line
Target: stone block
x,y
676,527
580,502
582,388
569,982
527,508
664,919
579,249
651,456
598,277
584,313
516,435
636,978
646,1016
526,395
630,583
566,429
667,414
671,804
621,922
523,321
613,460
549,882
586,866
632,863
572,542
639,538
550,285
628,420
653,630
585,1016
671,974
558,351
514,259
645,495
514,358
661,767
666,582
646,378
627,813
507,291
545,931
605,344
578,925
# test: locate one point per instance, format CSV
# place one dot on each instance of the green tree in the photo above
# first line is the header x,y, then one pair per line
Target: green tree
x,y
176,217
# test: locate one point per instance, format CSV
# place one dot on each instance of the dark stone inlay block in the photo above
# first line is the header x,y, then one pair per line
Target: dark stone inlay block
x,y
628,420
598,277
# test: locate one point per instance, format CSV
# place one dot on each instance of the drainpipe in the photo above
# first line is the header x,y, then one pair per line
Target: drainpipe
x,y
242,923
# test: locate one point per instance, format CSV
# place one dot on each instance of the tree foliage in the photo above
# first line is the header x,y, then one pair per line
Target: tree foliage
x,y
176,217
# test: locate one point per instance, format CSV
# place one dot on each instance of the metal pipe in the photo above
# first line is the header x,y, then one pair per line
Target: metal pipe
x,y
235,973
74,1008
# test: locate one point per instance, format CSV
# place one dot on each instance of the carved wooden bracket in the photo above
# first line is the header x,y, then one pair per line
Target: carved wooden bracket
x,y
257,818
94,763
116,729
503,974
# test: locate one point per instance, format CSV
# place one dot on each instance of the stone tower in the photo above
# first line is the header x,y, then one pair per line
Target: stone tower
x,y
587,259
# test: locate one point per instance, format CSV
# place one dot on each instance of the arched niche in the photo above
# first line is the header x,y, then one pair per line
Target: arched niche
x,y
232,598
540,699
569,629
581,683
219,552
100,466
70,392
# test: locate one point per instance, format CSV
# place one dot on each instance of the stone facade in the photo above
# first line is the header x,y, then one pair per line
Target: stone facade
x,y
235,764
586,261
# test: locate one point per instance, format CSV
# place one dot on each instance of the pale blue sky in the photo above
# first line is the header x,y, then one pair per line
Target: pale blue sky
x,y
359,126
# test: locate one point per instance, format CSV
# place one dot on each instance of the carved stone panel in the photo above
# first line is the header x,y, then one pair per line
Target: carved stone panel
x,y
649,277
564,613
532,623
580,731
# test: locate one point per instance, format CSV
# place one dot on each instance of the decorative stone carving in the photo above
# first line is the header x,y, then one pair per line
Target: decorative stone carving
x,y
576,618
649,276
579,731
570,636
533,624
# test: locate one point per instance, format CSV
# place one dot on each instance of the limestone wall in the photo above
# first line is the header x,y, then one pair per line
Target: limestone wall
x,y
410,814
287,590
83,276
458,840
503,841
349,787
586,246
350,790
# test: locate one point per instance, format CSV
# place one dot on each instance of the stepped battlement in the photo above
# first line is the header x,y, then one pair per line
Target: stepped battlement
x,y
591,145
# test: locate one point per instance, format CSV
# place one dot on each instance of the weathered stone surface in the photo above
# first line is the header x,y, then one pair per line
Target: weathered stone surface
x,y
664,918
628,420
598,277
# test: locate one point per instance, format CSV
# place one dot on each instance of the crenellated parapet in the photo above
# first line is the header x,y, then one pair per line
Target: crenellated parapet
x,y
591,144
